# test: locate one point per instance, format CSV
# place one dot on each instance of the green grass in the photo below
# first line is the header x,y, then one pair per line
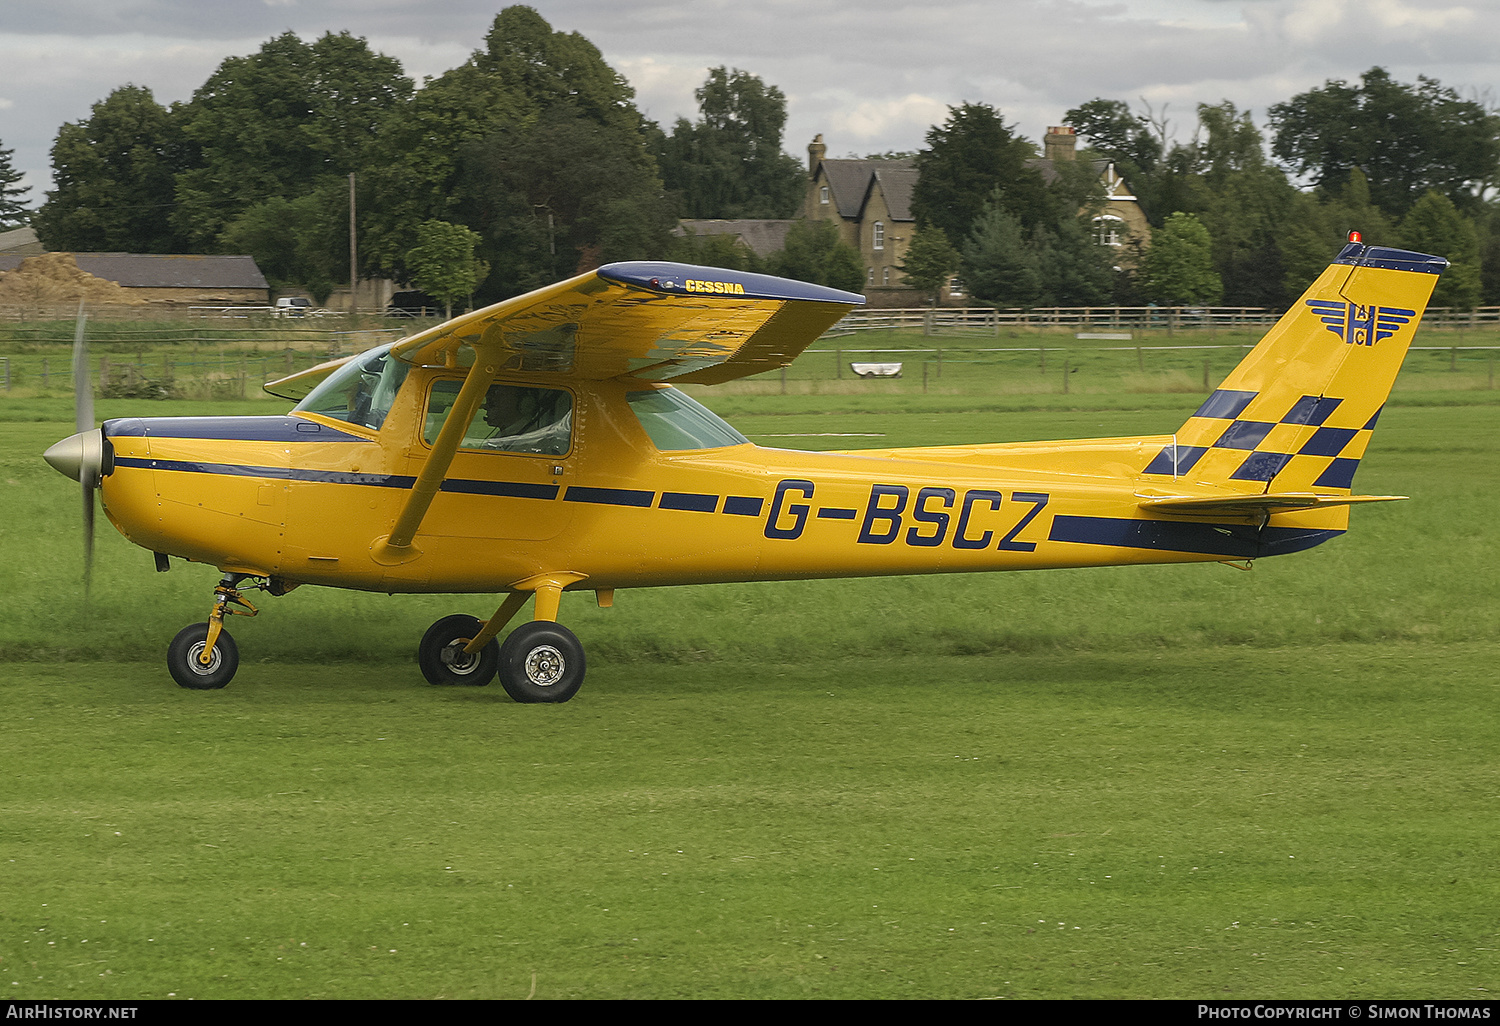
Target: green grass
x,y
1184,782
1308,822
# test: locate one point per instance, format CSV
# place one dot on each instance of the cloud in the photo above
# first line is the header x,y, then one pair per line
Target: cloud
x,y
871,76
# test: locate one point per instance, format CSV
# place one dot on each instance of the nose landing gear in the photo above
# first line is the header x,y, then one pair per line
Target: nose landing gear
x,y
203,656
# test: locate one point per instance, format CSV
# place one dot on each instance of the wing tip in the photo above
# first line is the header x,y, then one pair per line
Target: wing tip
x,y
692,280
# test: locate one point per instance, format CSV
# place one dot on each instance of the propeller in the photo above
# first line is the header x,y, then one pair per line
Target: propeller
x,y
81,456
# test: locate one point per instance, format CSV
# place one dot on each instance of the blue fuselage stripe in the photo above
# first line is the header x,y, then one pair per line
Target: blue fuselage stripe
x,y
1237,540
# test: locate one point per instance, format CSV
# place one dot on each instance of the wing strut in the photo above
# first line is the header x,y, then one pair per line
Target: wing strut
x,y
397,546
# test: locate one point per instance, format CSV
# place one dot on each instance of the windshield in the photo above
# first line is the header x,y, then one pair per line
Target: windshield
x,y
674,420
361,391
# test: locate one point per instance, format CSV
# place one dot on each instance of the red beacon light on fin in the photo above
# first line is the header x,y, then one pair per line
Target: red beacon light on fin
x,y
1356,237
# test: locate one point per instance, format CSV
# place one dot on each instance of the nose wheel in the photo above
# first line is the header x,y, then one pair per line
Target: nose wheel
x,y
204,657
199,664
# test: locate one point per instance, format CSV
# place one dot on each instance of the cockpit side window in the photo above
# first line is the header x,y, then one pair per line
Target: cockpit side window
x,y
360,392
512,418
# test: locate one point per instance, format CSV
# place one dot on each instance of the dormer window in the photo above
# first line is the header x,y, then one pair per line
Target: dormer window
x,y
823,195
877,237
1109,230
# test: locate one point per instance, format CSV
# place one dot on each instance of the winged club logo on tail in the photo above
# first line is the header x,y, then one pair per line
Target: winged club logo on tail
x,y
1361,325
461,461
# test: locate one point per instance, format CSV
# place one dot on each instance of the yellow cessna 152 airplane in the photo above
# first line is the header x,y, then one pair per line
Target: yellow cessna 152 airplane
x,y
537,446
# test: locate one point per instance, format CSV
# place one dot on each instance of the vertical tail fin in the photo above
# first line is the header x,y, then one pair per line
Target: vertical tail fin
x,y
1297,413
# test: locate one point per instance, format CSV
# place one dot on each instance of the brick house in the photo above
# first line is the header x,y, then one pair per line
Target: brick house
x,y
870,201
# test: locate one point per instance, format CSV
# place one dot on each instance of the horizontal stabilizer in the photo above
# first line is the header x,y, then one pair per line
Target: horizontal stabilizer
x,y
1253,505
298,386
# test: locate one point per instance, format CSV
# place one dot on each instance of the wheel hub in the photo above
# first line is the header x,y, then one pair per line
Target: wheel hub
x,y
544,666
456,659
195,659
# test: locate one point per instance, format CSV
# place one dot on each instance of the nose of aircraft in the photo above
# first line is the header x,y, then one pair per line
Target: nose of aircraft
x,y
79,456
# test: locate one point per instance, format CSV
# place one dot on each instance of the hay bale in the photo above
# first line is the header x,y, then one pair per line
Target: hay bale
x,y
55,278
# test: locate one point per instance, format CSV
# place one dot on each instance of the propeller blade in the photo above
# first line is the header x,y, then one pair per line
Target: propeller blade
x,y
89,468
83,390
88,537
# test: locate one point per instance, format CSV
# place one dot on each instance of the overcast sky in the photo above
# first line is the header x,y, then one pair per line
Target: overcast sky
x,y
871,75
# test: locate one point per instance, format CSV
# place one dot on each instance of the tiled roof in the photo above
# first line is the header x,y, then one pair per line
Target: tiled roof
x,y
850,180
762,237
149,270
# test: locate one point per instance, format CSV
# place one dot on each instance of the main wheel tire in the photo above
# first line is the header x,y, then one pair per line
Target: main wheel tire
x,y
443,659
541,661
183,659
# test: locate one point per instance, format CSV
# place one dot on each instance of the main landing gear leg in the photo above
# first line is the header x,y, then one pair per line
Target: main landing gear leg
x,y
541,661
204,656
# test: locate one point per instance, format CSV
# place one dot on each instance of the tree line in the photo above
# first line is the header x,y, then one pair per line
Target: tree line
x,y
532,154
1232,220
530,162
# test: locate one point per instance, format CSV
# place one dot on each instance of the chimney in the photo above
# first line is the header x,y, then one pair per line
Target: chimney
x,y
1060,143
816,151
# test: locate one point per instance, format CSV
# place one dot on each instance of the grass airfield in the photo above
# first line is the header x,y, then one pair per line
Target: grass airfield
x,y
1177,782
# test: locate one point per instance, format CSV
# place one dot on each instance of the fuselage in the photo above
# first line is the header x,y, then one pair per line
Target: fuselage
x,y
307,498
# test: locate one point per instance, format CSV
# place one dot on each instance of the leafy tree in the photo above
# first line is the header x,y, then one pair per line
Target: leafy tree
x,y
560,196
443,263
486,145
1407,139
730,164
416,176
280,121
1317,226
998,265
1178,267
716,250
301,242
13,212
930,261
1434,225
115,175
1071,269
815,253
1159,176
1118,134
1245,202
967,158
527,58
1487,226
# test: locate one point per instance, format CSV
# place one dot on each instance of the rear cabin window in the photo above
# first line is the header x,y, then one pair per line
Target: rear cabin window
x,y
675,421
361,391
512,418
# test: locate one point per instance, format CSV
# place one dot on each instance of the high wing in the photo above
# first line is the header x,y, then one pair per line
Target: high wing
x,y
645,320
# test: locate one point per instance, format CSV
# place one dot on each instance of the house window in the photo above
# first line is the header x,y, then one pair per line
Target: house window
x,y
955,288
823,195
878,235
1109,230
885,276
869,276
